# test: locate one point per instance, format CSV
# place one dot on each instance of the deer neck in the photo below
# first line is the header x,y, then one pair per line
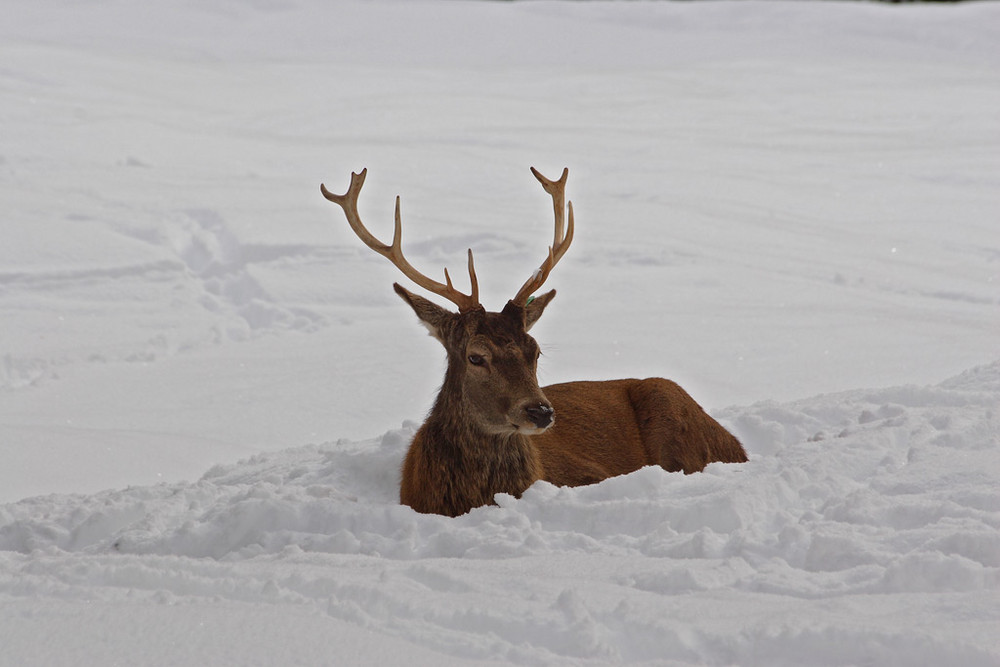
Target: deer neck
x,y
481,463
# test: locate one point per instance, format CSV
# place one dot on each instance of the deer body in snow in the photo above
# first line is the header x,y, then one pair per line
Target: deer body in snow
x,y
492,429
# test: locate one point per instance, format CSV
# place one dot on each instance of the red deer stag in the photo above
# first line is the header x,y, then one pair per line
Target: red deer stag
x,y
493,430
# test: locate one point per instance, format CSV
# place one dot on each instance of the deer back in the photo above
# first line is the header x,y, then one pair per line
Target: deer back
x,y
609,428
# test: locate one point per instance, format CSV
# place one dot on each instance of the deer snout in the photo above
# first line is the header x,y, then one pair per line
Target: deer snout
x,y
540,414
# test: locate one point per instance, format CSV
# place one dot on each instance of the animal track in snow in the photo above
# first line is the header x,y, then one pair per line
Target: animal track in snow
x,y
225,266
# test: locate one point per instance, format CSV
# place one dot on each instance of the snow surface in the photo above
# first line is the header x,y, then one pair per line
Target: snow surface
x,y
773,200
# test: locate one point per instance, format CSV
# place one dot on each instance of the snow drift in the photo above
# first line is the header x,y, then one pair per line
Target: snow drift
x,y
859,519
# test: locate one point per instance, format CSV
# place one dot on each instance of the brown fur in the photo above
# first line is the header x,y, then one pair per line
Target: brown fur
x,y
480,439
604,429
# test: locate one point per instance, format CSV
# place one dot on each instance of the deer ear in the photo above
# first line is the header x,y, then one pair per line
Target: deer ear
x,y
431,315
535,307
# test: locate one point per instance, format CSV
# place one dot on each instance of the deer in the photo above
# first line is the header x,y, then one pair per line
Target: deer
x,y
493,430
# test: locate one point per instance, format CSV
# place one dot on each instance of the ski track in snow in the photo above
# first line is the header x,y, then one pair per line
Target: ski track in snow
x,y
773,200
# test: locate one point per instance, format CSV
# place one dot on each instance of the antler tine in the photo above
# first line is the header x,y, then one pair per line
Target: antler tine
x,y
394,253
557,189
561,241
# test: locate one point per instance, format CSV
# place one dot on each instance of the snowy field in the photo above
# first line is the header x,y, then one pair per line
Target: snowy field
x,y
207,384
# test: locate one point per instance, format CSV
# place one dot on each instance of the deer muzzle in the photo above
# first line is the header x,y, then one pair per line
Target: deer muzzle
x,y
541,415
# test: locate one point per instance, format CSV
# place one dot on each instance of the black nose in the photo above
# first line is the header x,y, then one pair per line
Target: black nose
x,y
540,415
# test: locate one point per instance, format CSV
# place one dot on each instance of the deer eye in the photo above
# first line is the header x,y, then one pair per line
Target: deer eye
x,y
477,360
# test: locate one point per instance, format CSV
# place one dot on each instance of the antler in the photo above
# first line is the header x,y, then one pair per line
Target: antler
x,y
394,252
560,244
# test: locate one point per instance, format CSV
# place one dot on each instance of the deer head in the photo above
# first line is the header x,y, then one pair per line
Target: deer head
x,y
490,385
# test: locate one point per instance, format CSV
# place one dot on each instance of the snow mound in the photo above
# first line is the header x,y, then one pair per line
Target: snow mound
x,y
863,504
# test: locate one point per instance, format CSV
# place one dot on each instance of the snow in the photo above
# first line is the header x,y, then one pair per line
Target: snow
x,y
207,384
